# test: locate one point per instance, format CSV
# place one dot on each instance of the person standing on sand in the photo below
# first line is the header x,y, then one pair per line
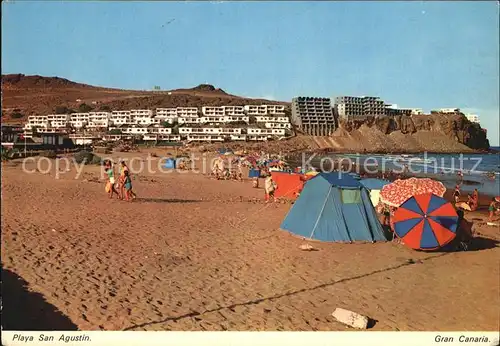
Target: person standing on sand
x,y
124,172
460,177
269,187
127,184
456,194
110,185
386,212
475,195
492,209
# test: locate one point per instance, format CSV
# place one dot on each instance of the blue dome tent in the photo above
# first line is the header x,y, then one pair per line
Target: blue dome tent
x,y
170,163
334,207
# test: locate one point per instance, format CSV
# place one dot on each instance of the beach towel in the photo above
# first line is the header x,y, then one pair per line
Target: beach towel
x,y
108,187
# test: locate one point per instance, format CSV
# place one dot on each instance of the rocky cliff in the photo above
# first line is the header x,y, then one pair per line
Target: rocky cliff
x,y
450,128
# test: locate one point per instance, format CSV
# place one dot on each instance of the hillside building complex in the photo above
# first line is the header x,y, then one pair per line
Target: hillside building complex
x,y
353,107
474,118
361,107
212,124
313,115
447,110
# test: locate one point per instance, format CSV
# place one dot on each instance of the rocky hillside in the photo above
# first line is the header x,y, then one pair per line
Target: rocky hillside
x,y
434,131
26,95
20,81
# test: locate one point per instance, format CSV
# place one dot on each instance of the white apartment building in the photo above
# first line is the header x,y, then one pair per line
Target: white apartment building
x,y
79,120
257,138
58,121
234,110
231,131
146,120
166,113
82,139
259,131
268,119
275,109
449,110
99,120
190,121
158,137
411,111
171,120
212,111
212,119
205,138
141,113
233,119
187,112
133,129
278,125
159,130
109,137
239,137
120,117
472,118
256,110
38,121
207,130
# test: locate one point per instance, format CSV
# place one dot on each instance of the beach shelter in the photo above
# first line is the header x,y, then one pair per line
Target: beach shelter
x,y
426,222
334,207
374,186
289,184
170,163
397,192
254,173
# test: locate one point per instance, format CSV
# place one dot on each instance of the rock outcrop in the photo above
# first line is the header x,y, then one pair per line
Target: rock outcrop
x,y
455,127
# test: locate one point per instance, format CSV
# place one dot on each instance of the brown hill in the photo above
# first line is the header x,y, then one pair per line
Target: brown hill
x,y
20,81
26,95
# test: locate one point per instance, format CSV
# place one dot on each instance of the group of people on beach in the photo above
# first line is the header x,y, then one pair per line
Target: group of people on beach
x,y
221,172
122,188
473,203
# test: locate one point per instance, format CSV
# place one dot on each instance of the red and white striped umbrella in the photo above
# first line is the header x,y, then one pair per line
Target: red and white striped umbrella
x,y
397,192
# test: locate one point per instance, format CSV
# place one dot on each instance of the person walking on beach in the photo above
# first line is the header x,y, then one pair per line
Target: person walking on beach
x,y
456,194
269,187
127,184
492,209
110,184
124,171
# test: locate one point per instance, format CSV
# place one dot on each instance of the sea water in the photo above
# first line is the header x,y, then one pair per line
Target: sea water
x,y
480,171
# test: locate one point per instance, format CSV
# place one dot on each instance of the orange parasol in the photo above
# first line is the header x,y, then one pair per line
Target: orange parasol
x,y
395,193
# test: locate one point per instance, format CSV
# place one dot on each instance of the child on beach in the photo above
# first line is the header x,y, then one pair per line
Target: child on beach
x,y
127,184
124,173
492,209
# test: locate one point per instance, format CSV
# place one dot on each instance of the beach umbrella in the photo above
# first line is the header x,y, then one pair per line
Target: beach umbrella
x,y
395,193
426,222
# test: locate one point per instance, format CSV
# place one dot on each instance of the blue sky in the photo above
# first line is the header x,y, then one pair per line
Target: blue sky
x,y
415,54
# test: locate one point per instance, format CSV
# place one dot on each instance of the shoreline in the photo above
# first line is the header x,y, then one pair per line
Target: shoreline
x,y
327,151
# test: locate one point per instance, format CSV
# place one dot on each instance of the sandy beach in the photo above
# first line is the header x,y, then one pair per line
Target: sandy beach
x,y
193,253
